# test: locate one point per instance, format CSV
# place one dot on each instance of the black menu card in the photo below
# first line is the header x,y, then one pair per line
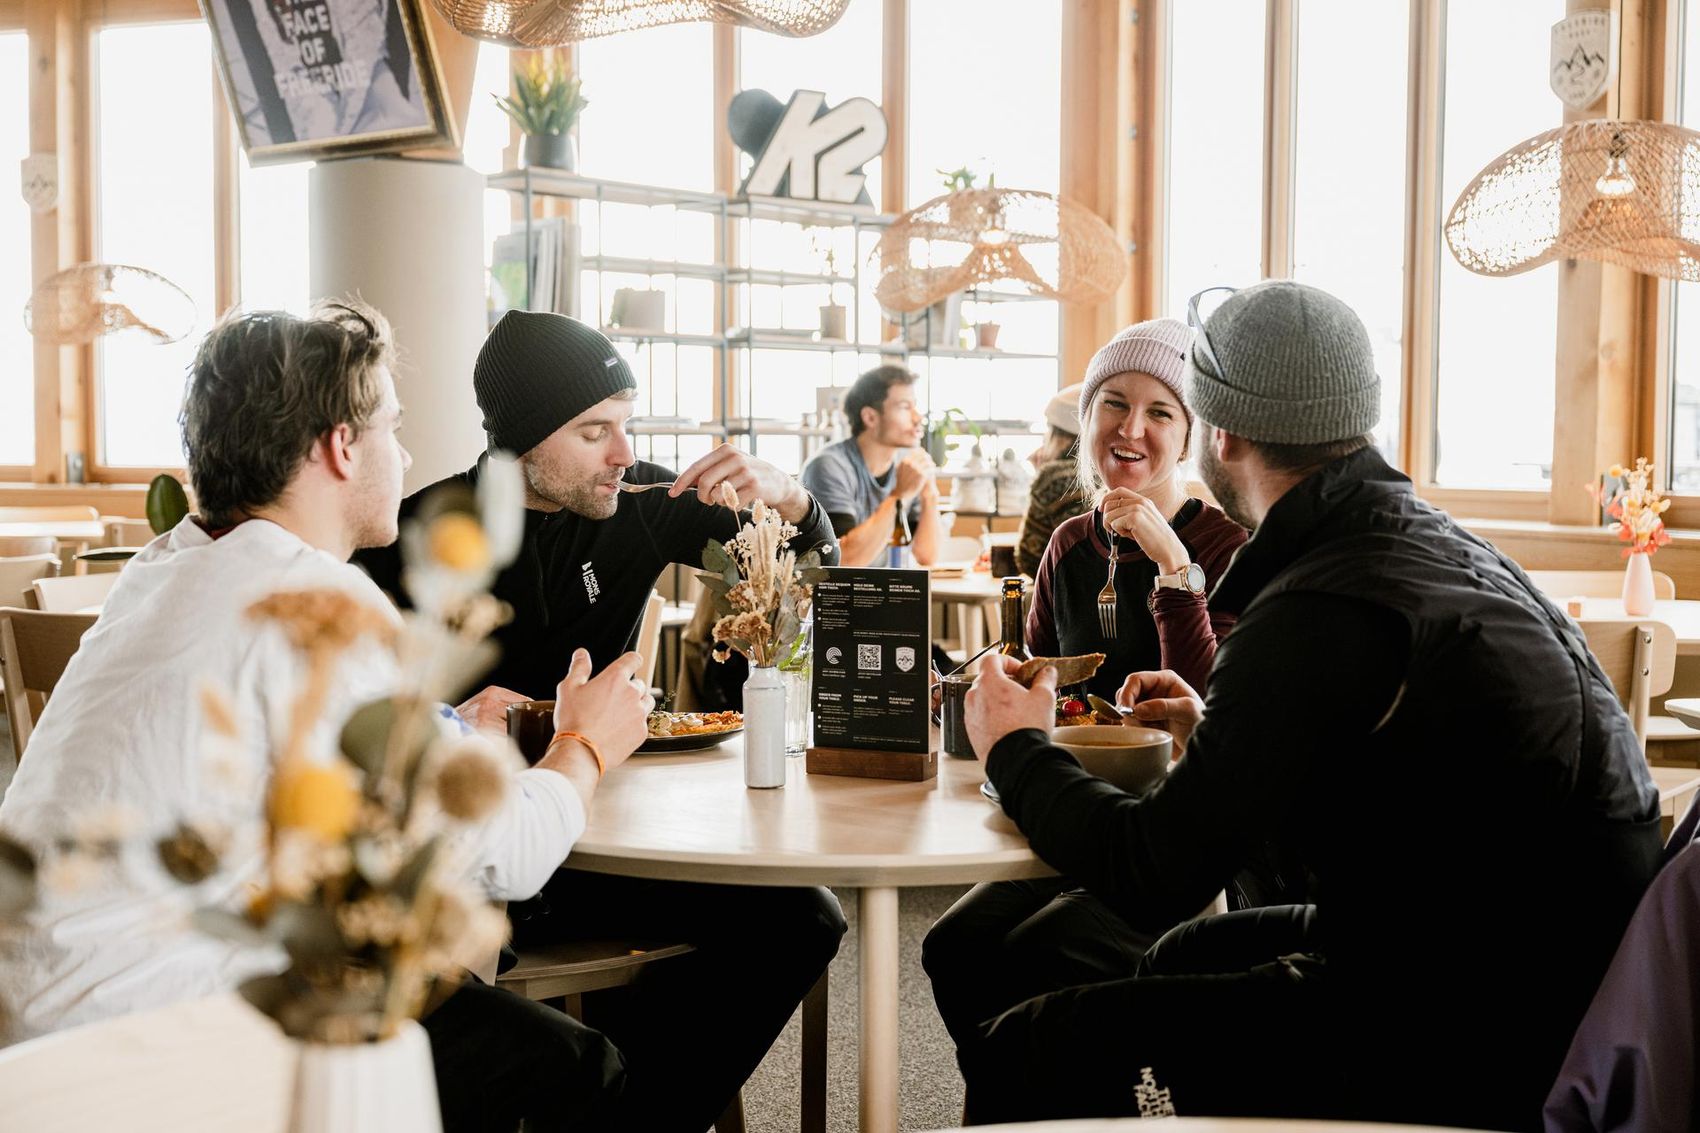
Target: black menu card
x,y
871,654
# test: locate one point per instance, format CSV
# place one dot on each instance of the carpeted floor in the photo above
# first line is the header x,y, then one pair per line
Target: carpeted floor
x,y
930,1095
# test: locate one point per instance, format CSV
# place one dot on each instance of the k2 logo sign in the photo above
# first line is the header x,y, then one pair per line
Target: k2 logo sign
x,y
809,153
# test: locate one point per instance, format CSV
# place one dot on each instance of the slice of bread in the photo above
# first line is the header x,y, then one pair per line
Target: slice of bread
x,y
1070,670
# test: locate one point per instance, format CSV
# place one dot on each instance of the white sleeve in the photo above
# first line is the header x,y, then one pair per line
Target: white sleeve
x,y
514,851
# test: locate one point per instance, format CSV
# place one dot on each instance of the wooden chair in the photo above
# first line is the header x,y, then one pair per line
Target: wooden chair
x,y
67,513
125,532
649,636
564,973
16,574
1561,584
35,647
1638,657
21,546
68,595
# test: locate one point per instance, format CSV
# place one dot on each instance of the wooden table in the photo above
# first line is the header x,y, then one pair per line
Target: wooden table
x,y
690,818
978,594
65,530
1681,614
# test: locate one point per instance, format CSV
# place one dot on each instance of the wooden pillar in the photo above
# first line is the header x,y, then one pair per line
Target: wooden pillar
x,y
894,100
1599,332
1280,43
1141,208
59,238
1091,154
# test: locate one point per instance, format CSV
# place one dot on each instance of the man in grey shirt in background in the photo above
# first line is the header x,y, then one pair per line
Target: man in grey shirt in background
x,y
860,482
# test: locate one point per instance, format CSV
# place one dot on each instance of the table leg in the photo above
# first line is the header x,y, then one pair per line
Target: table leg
x,y
876,936
972,618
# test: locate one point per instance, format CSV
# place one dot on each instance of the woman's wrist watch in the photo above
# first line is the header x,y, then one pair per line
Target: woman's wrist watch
x,y
1189,578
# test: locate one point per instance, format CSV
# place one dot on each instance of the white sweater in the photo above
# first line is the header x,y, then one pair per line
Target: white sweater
x,y
123,731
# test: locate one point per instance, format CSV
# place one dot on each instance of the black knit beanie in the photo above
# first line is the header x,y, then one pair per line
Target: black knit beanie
x,y
537,371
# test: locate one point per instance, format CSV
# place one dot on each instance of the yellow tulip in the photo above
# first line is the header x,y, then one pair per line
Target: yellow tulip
x,y
457,541
322,799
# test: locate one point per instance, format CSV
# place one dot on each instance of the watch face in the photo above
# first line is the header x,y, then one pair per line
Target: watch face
x,y
1193,576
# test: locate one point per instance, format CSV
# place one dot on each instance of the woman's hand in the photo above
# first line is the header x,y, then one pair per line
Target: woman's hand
x,y
1133,516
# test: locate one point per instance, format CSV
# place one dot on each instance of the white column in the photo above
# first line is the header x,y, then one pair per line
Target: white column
x,y
408,237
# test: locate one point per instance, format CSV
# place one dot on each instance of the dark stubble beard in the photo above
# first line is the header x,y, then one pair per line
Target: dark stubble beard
x,y
579,498
1227,496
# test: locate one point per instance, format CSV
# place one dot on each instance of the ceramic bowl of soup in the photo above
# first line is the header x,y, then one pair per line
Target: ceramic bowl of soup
x,y
1131,758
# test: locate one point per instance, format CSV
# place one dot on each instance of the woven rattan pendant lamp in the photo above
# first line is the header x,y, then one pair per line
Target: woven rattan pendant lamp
x,y
552,23
1625,192
82,303
1042,244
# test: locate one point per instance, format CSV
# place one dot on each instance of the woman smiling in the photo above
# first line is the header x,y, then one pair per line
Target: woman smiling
x,y
1169,548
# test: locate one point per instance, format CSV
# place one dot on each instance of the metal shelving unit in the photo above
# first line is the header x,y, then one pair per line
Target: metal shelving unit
x,y
735,349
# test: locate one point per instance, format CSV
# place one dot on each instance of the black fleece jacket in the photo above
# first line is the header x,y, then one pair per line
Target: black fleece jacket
x,y
581,582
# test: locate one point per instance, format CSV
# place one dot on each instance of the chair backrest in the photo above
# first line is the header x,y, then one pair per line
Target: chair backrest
x,y
18,546
1561,584
75,592
124,532
649,636
35,647
16,574
1639,658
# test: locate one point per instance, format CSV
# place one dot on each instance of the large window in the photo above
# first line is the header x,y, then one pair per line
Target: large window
x,y
1349,173
651,113
985,91
1497,343
1683,463
1215,142
154,207
17,359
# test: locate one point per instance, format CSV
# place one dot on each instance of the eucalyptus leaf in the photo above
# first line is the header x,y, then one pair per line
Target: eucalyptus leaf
x,y
230,926
717,558
366,737
731,575
788,628
808,560
722,606
167,503
714,582
812,576
307,932
413,873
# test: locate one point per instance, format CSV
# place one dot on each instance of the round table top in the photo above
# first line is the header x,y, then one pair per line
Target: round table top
x,y
689,817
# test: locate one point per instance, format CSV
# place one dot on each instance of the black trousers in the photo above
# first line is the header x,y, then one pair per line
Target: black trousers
x,y
500,1058
1228,1015
1004,942
690,1029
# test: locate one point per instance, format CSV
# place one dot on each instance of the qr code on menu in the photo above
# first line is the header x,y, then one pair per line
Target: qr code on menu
x,y
868,657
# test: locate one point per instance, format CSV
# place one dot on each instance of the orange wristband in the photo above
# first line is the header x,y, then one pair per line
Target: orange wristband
x,y
590,746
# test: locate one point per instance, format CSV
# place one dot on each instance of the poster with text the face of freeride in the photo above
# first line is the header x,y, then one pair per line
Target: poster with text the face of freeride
x,y
871,652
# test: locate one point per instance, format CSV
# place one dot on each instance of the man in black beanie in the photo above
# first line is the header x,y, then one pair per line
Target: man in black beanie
x,y
555,392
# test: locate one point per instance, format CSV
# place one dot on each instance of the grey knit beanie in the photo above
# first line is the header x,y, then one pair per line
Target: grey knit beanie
x,y
1297,367
537,371
1157,347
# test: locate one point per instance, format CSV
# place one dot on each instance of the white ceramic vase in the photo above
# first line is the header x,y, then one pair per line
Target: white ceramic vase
x,y
1638,585
764,727
382,1087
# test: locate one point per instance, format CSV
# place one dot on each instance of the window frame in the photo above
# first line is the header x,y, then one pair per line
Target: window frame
x,y
12,20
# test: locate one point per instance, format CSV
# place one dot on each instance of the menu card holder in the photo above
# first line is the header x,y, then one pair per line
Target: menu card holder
x,y
872,644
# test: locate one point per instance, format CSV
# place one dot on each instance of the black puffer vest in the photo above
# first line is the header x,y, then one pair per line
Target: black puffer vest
x,y
1478,857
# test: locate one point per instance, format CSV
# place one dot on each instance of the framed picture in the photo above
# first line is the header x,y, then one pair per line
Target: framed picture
x,y
330,78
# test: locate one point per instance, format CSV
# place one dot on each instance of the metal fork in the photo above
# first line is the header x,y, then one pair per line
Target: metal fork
x,y
625,487
1107,596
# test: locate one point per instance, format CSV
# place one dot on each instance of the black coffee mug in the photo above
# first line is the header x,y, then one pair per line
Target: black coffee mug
x,y
953,726
531,724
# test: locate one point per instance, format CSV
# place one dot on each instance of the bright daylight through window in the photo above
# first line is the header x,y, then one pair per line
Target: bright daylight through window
x,y
154,206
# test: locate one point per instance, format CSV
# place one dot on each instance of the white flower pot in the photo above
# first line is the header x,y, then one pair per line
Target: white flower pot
x,y
383,1087
764,727
1638,585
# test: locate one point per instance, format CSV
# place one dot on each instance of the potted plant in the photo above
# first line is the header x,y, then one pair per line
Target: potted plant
x,y
1637,508
545,104
951,422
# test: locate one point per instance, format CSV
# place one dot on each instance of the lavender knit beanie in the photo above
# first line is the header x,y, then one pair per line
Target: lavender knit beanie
x,y
1158,347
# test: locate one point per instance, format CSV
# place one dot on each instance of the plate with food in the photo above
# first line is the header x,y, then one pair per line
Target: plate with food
x,y
689,731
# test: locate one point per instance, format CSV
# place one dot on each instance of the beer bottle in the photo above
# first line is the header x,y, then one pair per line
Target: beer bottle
x,y
897,551
1013,638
